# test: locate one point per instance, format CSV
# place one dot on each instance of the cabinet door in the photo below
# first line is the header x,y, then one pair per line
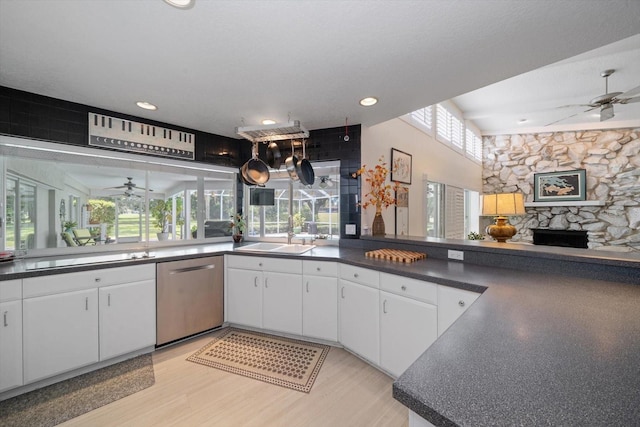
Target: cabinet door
x,y
452,302
407,329
359,321
10,344
282,303
320,307
244,297
60,333
127,318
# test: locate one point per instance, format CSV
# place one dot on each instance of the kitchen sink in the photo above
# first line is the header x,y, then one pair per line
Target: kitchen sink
x,y
276,248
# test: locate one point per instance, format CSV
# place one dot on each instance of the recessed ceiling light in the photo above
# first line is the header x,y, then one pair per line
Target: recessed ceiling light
x,y
181,4
146,105
522,121
368,101
268,122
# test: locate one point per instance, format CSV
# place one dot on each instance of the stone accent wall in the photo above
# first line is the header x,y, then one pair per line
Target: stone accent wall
x,y
611,159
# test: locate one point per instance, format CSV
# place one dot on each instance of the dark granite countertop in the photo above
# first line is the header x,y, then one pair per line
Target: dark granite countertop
x,y
534,349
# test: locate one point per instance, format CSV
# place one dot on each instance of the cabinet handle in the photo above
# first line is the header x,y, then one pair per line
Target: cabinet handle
x,y
317,268
255,281
307,286
5,319
342,292
86,304
259,264
355,275
109,300
461,303
403,287
97,279
266,283
384,306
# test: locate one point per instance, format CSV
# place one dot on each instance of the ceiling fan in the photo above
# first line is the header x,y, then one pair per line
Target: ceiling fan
x,y
605,102
130,188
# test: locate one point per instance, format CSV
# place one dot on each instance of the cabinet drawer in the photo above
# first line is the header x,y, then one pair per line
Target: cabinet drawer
x,y
320,268
410,288
48,285
10,290
278,265
245,262
360,275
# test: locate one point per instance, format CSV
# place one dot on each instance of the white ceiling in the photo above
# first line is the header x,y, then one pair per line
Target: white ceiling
x,y
210,66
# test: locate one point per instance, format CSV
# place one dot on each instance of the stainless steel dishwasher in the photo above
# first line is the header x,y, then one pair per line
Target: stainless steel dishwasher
x,y
189,297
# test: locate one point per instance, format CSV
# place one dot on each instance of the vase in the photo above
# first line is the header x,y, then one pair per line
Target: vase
x,y
237,238
377,228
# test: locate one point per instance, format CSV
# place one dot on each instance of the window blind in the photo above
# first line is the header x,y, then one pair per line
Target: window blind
x,y
454,213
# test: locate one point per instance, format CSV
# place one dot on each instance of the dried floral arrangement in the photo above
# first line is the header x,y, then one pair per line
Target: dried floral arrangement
x,y
381,193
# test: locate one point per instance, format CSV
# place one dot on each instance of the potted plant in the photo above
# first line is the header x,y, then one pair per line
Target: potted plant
x,y
298,222
237,225
161,213
69,225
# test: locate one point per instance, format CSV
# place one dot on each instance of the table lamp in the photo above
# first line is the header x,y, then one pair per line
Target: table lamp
x,y
500,206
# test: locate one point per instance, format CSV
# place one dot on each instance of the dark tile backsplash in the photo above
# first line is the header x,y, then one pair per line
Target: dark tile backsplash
x,y
35,116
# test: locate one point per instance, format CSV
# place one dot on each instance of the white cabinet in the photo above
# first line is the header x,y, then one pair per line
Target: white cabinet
x,y
265,293
408,320
10,334
60,333
282,303
76,319
320,300
244,297
358,300
127,318
407,328
359,320
452,302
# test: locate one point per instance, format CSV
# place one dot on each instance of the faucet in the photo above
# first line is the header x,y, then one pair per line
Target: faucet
x,y
290,233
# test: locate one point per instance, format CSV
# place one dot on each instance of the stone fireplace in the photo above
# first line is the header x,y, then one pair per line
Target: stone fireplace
x,y
565,238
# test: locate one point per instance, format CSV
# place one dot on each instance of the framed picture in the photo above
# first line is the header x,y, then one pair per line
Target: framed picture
x,y
559,186
402,211
400,166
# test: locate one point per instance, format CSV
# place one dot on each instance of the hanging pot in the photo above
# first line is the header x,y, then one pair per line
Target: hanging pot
x,y
304,169
244,176
291,163
274,158
257,171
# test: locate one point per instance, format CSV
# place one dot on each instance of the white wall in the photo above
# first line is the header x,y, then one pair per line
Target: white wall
x,y
430,158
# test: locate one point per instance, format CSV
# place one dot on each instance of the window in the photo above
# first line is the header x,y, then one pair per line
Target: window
x,y
473,144
435,209
106,193
20,214
315,209
423,117
449,128
452,212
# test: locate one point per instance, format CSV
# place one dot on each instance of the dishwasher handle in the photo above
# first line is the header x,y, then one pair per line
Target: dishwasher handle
x,y
195,268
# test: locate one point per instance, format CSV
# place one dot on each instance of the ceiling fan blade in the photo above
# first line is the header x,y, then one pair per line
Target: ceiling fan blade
x,y
573,115
630,100
606,112
628,94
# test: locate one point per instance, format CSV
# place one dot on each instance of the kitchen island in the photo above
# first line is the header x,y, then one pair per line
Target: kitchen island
x,y
535,349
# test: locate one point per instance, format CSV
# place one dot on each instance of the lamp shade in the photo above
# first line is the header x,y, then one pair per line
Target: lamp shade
x,y
503,204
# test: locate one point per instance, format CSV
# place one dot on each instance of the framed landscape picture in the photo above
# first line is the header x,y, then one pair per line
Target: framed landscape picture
x,y
400,166
559,186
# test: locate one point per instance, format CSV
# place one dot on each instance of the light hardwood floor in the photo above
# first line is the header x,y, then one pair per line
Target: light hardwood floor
x,y
347,392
